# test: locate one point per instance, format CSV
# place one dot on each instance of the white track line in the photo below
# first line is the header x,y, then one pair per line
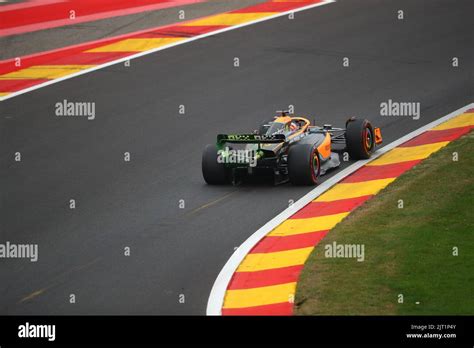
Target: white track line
x,y
216,298
141,54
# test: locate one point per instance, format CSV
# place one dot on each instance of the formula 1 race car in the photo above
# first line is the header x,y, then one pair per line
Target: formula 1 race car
x,y
289,148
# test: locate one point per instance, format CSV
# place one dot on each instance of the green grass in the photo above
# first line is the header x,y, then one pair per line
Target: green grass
x,y
408,251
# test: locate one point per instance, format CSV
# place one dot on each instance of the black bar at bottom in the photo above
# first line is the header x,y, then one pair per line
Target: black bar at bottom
x,y
430,330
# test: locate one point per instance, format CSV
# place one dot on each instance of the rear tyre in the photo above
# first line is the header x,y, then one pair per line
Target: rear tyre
x,y
303,164
360,139
214,173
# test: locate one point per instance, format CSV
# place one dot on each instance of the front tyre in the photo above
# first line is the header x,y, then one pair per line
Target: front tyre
x,y
214,173
360,139
303,164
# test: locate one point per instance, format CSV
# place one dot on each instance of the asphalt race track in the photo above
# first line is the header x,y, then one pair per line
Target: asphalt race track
x,y
136,204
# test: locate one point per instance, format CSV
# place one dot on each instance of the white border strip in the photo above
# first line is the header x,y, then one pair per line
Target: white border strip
x,y
141,54
216,298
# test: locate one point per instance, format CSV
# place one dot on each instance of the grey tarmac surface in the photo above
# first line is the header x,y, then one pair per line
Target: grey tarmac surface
x,y
49,39
181,251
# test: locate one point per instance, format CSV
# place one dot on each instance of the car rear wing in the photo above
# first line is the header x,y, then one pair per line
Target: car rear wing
x,y
250,138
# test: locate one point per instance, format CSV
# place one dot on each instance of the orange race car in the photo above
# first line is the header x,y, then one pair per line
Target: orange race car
x,y
289,148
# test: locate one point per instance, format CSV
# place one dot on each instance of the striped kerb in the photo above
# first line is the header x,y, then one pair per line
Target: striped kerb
x,y
265,281
16,76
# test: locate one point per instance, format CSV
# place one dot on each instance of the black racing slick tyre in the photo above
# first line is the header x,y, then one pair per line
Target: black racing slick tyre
x,y
214,173
303,164
360,139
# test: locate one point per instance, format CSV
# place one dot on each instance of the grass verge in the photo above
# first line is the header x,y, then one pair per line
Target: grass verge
x,y
409,251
